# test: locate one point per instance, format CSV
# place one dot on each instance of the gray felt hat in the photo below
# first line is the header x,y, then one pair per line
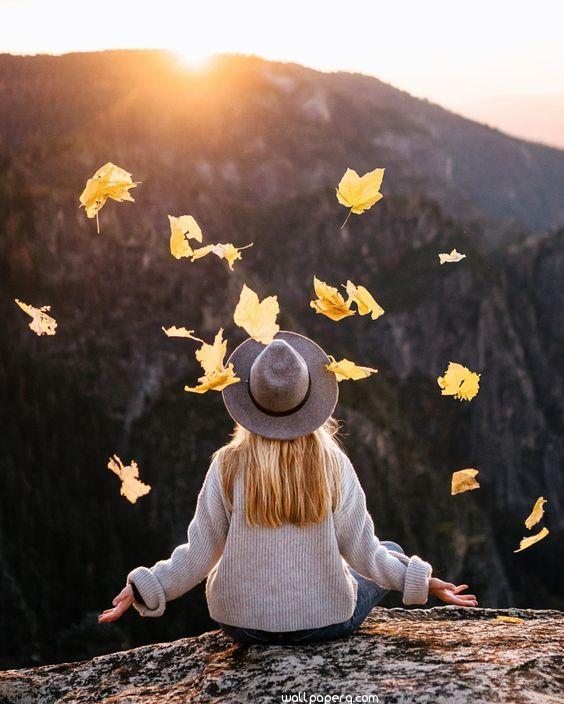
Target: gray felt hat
x,y
285,389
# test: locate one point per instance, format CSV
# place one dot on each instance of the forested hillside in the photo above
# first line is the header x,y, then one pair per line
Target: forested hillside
x,y
254,150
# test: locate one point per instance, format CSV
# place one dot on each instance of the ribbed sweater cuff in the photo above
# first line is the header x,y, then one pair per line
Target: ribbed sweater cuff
x,y
151,591
416,586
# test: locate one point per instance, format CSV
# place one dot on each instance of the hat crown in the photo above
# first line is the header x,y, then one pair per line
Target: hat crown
x,y
279,378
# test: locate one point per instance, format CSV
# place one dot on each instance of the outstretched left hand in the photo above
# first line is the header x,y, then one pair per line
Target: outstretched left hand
x,y
450,593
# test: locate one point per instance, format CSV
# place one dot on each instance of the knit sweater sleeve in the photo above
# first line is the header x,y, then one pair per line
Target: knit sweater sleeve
x,y
363,551
192,561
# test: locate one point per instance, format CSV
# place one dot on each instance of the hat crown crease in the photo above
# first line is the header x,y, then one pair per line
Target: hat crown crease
x,y
279,378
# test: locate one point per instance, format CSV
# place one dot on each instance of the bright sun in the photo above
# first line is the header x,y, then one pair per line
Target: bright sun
x,y
193,59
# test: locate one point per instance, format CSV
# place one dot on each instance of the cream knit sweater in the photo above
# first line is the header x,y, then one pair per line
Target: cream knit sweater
x,y
278,579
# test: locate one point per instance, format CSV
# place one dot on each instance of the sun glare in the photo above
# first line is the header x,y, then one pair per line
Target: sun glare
x,y
194,60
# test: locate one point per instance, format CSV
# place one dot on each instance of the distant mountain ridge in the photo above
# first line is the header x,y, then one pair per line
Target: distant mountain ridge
x,y
239,111
254,151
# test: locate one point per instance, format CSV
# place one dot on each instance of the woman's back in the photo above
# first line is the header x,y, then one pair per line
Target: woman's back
x,y
278,578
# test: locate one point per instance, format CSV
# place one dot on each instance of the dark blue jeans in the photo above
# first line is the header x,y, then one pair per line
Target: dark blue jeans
x,y
368,595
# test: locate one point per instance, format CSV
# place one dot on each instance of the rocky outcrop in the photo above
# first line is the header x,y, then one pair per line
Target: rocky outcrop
x,y
443,654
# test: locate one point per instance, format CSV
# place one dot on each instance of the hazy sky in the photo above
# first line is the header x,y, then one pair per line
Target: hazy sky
x,y
451,52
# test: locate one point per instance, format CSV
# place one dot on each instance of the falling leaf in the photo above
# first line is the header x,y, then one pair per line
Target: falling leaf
x,y
41,322
345,369
463,480
536,514
364,301
330,302
510,619
110,181
131,486
217,381
532,539
359,193
224,251
257,318
454,256
459,382
216,375
182,229
180,332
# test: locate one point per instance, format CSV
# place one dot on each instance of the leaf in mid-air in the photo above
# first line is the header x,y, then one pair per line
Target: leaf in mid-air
x,y
536,514
110,181
364,300
464,480
182,229
258,318
359,193
224,251
41,322
345,369
180,332
454,256
131,486
216,375
532,539
329,301
459,382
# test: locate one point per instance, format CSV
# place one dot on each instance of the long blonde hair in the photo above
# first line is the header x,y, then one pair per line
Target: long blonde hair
x,y
286,481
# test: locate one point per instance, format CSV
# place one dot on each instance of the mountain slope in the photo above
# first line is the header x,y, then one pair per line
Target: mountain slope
x,y
251,166
259,130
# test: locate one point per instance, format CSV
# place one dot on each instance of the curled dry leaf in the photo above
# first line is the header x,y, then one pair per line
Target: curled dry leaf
x,y
110,181
329,301
345,369
216,375
180,332
182,229
364,300
131,486
510,619
359,193
258,318
464,480
536,514
459,382
532,539
41,322
224,251
454,256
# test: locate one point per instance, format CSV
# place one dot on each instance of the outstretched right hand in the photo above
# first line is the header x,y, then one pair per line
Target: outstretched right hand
x,y
121,603
450,593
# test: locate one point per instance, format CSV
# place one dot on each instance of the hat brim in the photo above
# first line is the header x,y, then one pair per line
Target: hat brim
x,y
317,408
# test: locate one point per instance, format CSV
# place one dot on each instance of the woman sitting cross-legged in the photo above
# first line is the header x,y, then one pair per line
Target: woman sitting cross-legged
x,y
281,529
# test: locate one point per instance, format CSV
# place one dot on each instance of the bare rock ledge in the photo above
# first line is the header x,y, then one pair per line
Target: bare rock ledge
x,y
443,654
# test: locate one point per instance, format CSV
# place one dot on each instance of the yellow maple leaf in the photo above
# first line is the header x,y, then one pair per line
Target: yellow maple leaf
x,y
173,331
464,480
345,369
182,229
454,256
110,181
224,251
258,318
216,376
359,193
216,381
41,322
364,300
330,302
532,539
131,486
536,514
510,619
459,382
